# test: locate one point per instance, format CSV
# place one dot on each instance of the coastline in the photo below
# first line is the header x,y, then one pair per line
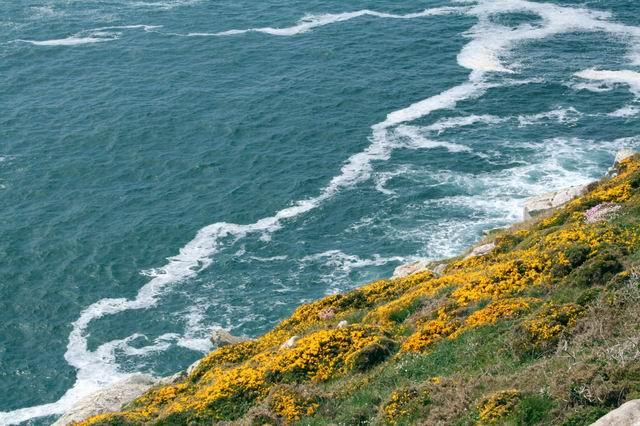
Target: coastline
x,y
287,336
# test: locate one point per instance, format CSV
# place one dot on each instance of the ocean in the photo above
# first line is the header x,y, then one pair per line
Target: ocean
x,y
169,167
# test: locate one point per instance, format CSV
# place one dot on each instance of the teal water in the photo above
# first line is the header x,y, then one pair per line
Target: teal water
x,y
162,176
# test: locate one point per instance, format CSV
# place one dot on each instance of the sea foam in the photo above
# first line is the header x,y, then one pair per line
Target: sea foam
x,y
96,35
628,77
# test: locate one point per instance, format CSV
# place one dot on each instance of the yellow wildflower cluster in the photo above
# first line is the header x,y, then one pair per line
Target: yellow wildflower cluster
x,y
551,320
308,316
504,277
290,404
497,405
384,314
500,309
324,353
431,332
401,402
231,354
318,357
150,401
111,418
614,194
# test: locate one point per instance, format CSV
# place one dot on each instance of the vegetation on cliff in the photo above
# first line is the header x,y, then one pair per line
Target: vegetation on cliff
x,y
541,330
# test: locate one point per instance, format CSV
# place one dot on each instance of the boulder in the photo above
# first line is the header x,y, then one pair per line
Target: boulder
x,y
342,324
108,400
412,268
628,414
621,155
221,337
290,343
439,269
539,204
481,250
193,366
170,380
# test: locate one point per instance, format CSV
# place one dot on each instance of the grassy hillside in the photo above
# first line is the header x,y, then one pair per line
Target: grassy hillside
x,y
542,330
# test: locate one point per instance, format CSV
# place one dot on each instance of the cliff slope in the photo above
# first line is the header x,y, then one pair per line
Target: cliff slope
x,y
542,329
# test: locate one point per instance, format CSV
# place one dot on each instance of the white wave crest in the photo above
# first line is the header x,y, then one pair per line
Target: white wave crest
x,y
96,35
625,112
628,77
311,22
561,115
456,122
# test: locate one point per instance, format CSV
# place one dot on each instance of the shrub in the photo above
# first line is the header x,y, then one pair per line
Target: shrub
x,y
531,410
497,405
402,403
598,270
430,332
575,255
373,354
292,403
542,332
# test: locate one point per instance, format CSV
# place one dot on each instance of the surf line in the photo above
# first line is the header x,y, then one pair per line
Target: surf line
x,y
92,36
481,55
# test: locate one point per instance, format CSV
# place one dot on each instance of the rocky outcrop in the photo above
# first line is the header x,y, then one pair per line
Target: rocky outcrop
x,y
108,400
193,367
628,414
622,155
412,268
481,250
290,343
437,267
221,337
539,204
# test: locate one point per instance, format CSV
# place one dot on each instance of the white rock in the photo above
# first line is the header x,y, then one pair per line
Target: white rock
x,y
193,366
481,250
545,202
628,414
439,269
221,337
412,268
622,155
290,343
169,380
108,400
342,324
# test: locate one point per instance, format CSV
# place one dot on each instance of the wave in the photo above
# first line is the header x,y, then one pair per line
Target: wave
x,y
341,265
628,77
311,22
162,5
337,259
382,178
483,56
561,115
96,35
625,112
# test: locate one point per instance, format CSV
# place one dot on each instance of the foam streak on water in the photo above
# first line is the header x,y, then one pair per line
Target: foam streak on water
x,y
482,56
96,35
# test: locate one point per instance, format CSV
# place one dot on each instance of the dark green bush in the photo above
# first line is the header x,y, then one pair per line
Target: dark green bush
x,y
372,355
598,270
